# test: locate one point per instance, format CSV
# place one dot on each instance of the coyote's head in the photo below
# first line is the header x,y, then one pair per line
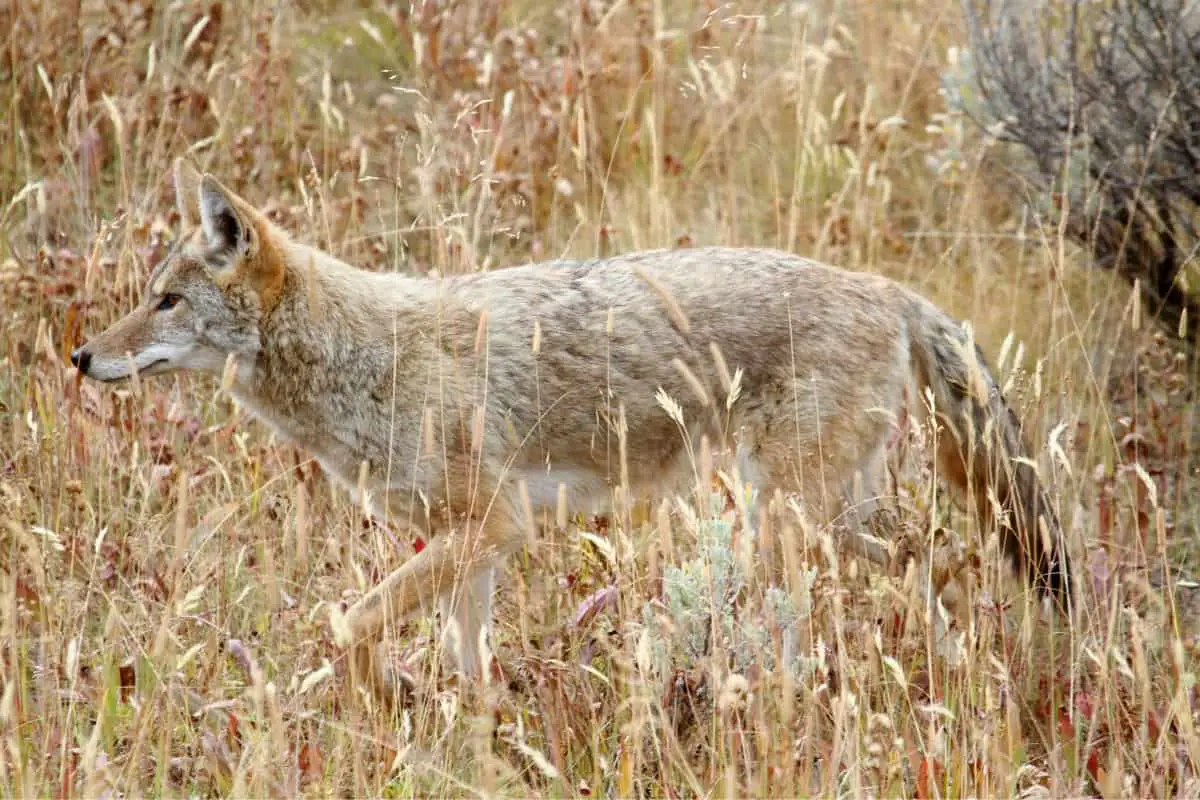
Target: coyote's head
x,y
205,301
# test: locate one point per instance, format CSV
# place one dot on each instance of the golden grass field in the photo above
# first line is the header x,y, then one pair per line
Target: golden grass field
x,y
168,567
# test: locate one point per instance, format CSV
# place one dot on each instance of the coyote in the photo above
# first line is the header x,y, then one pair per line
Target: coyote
x,y
459,405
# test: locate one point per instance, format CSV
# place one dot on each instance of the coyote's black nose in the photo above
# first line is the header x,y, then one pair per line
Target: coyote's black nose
x,y
81,359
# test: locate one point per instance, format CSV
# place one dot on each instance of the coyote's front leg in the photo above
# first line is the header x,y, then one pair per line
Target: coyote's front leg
x,y
455,567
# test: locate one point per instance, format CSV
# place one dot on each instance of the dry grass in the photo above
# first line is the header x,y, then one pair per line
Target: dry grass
x,y
167,565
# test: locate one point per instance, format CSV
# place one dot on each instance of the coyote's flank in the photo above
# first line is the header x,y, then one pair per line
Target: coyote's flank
x,y
465,427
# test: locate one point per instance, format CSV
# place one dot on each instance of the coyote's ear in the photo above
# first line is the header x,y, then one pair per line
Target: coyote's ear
x,y
187,187
239,237
227,226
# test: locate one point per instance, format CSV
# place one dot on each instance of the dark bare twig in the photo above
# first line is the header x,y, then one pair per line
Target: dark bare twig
x,y
1102,101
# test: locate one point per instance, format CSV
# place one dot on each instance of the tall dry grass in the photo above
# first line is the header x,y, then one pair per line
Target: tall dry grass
x,y
167,565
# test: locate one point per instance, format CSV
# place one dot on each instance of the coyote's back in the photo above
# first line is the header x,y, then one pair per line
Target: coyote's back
x,y
459,404
817,349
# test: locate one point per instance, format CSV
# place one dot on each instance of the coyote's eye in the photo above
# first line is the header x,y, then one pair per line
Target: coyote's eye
x,y
168,302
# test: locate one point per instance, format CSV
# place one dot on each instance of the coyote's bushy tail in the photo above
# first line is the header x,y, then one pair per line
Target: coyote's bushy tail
x,y
983,451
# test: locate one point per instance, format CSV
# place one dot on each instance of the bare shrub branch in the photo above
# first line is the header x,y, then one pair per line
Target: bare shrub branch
x,y
1102,103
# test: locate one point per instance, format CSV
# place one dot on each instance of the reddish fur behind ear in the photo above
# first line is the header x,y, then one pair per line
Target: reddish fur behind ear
x,y
264,267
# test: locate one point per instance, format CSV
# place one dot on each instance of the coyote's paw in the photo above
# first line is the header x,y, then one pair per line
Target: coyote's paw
x,y
339,626
390,686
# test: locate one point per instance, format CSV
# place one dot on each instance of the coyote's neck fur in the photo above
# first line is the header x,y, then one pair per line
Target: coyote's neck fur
x,y
384,334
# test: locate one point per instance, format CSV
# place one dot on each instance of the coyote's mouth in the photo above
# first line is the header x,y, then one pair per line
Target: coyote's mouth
x,y
140,371
151,365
